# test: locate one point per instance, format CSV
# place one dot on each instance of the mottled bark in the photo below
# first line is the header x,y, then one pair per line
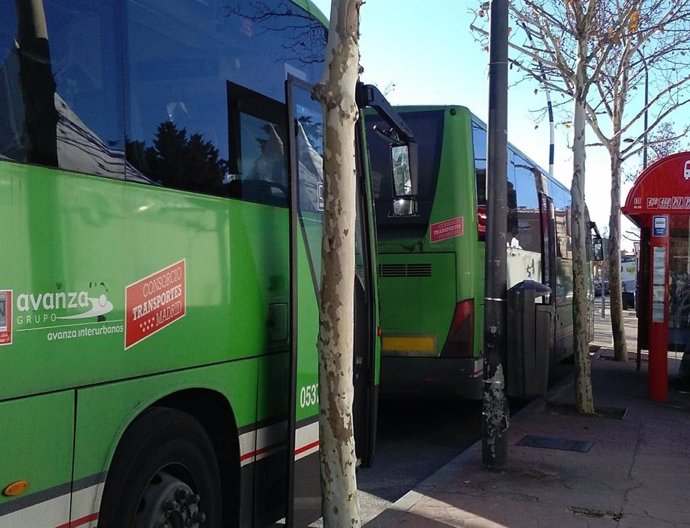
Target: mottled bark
x,y
340,503
583,386
614,256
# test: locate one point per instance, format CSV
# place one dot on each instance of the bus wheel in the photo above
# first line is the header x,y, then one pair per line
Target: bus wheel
x,y
164,474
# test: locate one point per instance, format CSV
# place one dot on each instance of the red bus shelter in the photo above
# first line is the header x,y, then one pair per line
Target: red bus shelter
x,y
659,204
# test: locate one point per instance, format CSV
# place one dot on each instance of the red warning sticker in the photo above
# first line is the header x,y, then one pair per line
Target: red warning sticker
x,y
5,317
454,227
155,302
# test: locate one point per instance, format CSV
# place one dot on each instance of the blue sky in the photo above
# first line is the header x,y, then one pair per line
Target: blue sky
x,y
424,53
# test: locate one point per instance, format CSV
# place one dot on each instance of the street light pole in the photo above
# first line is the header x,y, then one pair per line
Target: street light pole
x,y
646,102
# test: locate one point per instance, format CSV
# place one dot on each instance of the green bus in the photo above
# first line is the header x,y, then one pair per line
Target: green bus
x,y
161,203
431,254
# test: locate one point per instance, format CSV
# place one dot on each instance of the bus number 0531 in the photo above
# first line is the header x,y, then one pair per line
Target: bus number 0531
x,y
309,395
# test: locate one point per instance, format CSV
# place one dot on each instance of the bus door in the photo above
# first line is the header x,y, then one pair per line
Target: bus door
x,y
305,126
365,338
307,205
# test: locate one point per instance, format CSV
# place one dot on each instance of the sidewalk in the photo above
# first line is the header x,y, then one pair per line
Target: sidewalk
x,y
635,474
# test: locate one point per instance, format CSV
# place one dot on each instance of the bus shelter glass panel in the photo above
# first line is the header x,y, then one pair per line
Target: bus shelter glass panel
x,y
679,284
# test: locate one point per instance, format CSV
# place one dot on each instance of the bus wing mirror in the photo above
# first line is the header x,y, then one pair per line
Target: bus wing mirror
x,y
404,163
404,159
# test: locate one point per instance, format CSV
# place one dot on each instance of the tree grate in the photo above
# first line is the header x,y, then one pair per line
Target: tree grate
x,y
547,442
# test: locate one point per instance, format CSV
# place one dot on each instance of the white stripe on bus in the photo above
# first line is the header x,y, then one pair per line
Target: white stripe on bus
x,y
55,512
264,442
254,446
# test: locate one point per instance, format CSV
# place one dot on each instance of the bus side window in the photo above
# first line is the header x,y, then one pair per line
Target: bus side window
x,y
75,123
479,150
526,222
87,72
14,144
257,162
177,126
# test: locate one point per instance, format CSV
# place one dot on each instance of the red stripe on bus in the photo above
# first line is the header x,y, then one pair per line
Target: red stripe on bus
x,y
307,447
79,522
258,452
263,450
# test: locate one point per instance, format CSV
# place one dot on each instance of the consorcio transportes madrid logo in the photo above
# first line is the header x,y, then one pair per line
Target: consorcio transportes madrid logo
x,y
155,302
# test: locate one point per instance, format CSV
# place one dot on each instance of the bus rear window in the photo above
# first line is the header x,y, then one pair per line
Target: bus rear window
x,y
427,127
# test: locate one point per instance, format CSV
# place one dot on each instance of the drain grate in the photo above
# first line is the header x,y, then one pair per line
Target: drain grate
x,y
547,442
569,409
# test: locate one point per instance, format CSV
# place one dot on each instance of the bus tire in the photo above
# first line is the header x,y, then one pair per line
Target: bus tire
x,y
164,473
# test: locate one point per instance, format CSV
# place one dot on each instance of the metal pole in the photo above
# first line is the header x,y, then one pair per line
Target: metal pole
x,y
604,263
638,360
495,405
646,102
603,288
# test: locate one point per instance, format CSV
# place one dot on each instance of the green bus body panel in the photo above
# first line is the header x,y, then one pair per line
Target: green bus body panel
x,y
74,234
402,297
308,315
465,280
36,443
105,411
77,233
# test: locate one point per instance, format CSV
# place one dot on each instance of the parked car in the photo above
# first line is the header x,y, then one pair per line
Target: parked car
x,y
598,288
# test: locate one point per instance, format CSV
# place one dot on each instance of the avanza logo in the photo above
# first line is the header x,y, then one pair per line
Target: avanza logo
x,y
51,306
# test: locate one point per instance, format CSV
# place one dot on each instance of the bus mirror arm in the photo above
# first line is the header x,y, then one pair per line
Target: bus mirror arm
x,y
368,95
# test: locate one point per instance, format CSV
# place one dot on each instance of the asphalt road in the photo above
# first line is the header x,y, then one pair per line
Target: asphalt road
x,y
415,439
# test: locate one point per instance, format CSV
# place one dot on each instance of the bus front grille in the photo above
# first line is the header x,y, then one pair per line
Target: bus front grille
x,y
404,270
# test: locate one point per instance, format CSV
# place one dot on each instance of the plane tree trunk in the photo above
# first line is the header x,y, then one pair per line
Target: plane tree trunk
x,y
340,503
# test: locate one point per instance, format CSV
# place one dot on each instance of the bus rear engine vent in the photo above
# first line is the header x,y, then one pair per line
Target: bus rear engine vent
x,y
404,270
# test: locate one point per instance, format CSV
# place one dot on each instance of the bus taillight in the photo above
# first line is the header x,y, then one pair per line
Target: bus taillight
x,y
460,340
481,222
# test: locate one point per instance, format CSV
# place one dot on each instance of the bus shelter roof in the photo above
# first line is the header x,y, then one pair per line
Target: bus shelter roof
x,y
663,188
